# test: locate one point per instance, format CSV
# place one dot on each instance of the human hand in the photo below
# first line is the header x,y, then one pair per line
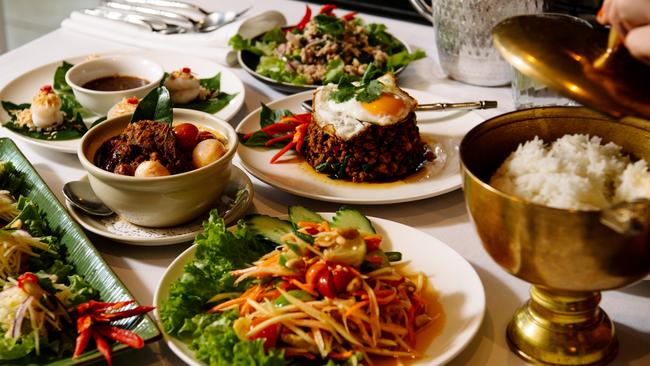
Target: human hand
x,y
631,19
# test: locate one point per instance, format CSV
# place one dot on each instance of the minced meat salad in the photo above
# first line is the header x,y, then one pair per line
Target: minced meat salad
x,y
142,141
321,49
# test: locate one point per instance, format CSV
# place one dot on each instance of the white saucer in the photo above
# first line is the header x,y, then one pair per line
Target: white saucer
x,y
233,204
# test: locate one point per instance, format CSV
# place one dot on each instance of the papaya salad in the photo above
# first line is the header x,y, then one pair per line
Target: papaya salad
x,y
303,291
42,297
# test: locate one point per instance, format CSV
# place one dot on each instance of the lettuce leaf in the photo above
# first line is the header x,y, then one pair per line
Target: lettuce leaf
x,y
11,349
219,252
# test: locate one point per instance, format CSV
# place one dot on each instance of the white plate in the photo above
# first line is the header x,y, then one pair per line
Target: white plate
x,y
233,204
23,88
294,176
460,290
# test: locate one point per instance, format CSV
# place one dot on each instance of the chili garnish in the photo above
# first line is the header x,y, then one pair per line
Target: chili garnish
x,y
94,319
292,128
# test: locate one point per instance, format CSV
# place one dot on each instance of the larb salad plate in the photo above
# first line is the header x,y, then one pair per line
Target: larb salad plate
x,y
458,290
23,88
443,132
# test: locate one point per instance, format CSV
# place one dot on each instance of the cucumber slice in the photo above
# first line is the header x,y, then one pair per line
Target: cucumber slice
x,y
267,227
304,214
349,217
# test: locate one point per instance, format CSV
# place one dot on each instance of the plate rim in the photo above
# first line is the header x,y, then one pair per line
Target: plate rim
x,y
456,184
172,240
469,332
63,145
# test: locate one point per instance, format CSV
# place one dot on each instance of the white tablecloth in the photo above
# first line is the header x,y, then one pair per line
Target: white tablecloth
x,y
444,217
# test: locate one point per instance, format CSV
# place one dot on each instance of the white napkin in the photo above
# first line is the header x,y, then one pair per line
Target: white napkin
x,y
212,45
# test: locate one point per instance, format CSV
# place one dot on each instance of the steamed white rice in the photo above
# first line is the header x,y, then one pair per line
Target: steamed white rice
x,y
574,172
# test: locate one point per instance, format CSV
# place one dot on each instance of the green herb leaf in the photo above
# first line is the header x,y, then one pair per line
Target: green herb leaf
x,y
59,84
335,70
212,105
328,24
269,116
344,92
213,84
403,58
240,44
12,108
370,92
155,106
378,36
372,72
274,35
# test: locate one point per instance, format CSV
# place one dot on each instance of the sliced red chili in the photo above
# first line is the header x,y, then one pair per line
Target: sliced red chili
x,y
82,342
278,128
299,137
282,152
305,19
278,139
123,336
25,278
84,323
102,347
372,243
349,16
327,9
107,317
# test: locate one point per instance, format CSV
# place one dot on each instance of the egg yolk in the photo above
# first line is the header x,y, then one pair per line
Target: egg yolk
x,y
387,104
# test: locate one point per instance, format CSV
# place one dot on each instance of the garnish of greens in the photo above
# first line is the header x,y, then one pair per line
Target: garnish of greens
x,y
296,292
53,308
73,126
155,106
216,100
279,129
318,58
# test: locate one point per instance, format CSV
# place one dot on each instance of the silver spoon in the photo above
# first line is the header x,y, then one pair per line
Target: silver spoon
x,y
81,195
481,104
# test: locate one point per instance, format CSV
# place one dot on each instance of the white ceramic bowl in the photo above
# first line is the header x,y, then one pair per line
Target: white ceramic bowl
x,y
159,201
126,65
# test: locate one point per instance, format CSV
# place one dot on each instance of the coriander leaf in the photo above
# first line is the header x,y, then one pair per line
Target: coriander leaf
x,y
372,72
344,92
328,24
370,92
59,84
378,36
155,106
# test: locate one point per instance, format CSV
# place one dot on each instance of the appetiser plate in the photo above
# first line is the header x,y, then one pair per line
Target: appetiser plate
x,y
81,253
458,287
234,203
23,88
443,132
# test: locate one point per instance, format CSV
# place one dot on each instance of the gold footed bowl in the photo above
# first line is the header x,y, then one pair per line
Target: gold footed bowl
x,y
568,256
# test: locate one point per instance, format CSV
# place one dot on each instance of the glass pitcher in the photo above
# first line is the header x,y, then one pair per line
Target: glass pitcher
x,y
463,36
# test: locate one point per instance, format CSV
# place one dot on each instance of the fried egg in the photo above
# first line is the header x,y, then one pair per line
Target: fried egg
x,y
352,116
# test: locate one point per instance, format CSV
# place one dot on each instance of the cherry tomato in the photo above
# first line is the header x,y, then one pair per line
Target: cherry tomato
x,y
342,277
186,135
326,285
270,333
205,135
313,272
372,243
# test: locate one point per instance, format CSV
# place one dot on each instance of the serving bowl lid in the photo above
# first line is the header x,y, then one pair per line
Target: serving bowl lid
x,y
561,51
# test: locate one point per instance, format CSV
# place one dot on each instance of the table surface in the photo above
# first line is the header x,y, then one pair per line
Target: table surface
x,y
444,217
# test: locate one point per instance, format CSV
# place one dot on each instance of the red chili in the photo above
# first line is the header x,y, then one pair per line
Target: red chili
x,y
278,139
305,19
133,100
82,342
25,278
84,323
123,336
107,317
186,70
372,243
299,137
46,88
102,347
327,9
349,16
282,152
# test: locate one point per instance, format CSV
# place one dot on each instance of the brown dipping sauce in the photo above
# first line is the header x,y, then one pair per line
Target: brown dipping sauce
x,y
115,83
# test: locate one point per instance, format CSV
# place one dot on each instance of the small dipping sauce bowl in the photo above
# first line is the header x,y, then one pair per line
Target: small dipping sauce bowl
x,y
159,201
105,67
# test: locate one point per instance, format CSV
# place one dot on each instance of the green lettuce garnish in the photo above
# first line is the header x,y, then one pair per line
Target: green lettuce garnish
x,y
217,99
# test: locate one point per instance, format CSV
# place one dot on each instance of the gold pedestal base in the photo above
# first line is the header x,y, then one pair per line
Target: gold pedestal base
x,y
562,328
